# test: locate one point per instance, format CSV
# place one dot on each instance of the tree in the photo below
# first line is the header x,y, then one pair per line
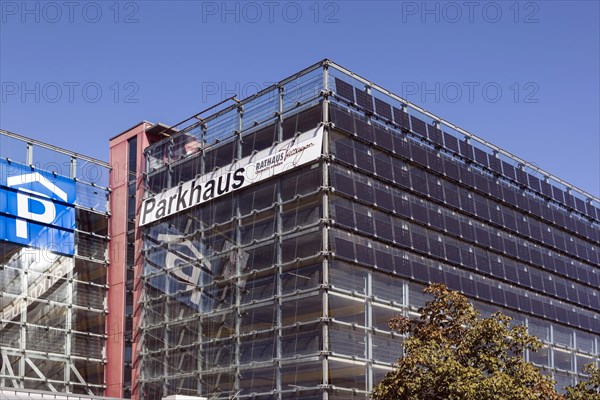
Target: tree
x,y
454,354
589,390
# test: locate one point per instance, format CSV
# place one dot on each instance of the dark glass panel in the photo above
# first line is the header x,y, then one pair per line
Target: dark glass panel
x,y
482,263
481,156
436,247
522,177
344,216
420,272
509,170
401,118
451,142
451,169
435,135
383,109
546,188
363,129
534,183
383,198
344,151
511,299
364,192
562,314
364,223
401,146
466,150
497,295
418,126
344,248
344,184
452,281
363,99
436,275
418,154
342,119
570,200
383,138
364,159
364,254
469,287
344,90
558,194
524,276
384,260
549,311
402,267
495,163
510,273
537,307
384,229
524,303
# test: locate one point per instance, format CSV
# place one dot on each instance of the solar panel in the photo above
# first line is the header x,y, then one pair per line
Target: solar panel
x,y
384,260
466,149
435,135
344,248
401,118
383,138
418,154
363,129
451,142
494,163
383,109
418,126
558,194
522,177
534,183
344,89
508,170
591,210
569,200
342,119
364,254
481,156
546,188
364,100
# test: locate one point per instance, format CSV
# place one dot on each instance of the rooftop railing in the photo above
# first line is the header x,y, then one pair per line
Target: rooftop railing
x,y
327,78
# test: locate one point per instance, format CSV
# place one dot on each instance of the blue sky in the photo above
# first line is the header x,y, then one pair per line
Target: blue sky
x,y
76,73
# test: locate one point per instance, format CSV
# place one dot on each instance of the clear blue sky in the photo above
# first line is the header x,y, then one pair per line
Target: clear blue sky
x,y
76,73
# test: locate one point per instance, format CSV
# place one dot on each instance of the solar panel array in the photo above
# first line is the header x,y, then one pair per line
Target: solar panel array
x,y
469,152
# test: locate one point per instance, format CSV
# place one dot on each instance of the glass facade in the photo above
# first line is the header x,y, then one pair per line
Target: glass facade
x,y
284,289
53,301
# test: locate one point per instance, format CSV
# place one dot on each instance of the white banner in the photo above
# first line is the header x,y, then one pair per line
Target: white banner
x,y
265,164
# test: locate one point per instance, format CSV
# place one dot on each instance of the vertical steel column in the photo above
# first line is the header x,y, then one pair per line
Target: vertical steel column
x,y
29,154
279,270
238,269
325,249
369,332
73,167
69,322
23,330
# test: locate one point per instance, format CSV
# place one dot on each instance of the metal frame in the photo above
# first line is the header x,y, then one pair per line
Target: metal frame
x,y
23,356
328,323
